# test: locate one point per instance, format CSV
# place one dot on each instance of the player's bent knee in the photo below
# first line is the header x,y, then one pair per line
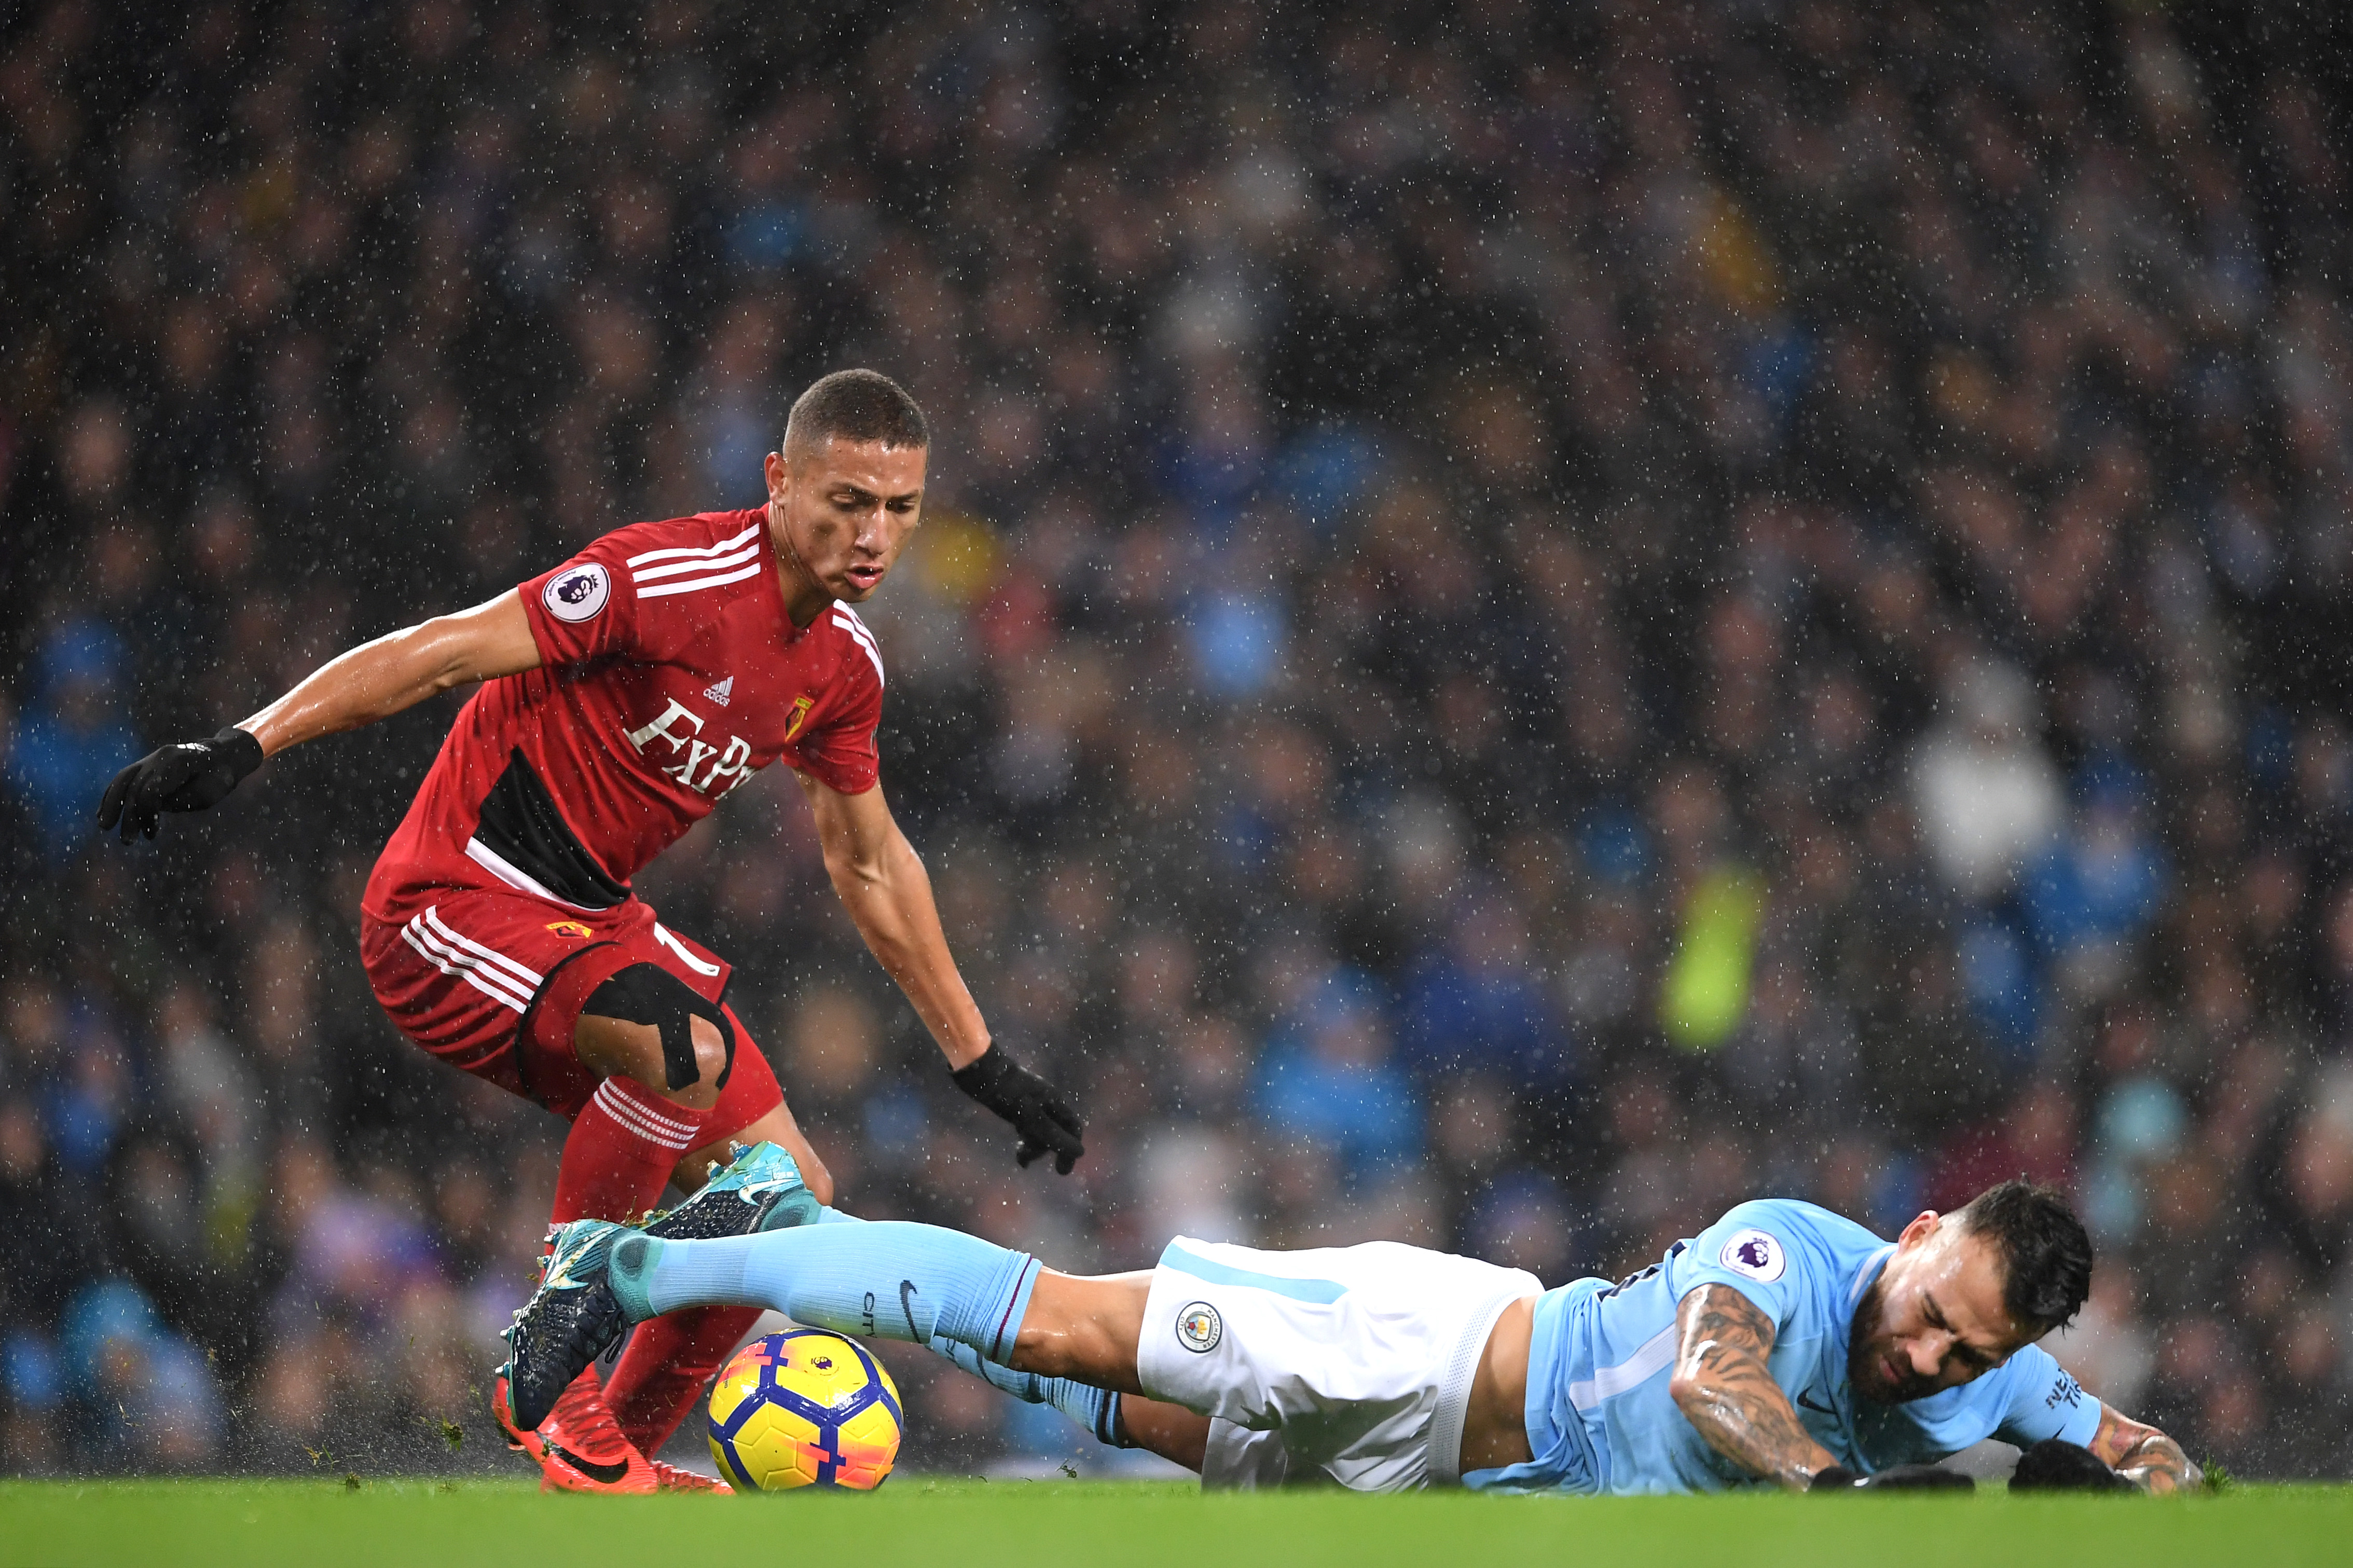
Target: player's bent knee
x,y
712,1056
697,1039
614,1048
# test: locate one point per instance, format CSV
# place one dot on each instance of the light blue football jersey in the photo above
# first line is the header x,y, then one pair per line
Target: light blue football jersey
x,y
1599,1416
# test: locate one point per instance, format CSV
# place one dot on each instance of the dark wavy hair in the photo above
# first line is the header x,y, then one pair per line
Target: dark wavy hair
x,y
857,405
2045,1251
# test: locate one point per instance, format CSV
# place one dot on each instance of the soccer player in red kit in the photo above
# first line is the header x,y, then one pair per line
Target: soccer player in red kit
x,y
622,694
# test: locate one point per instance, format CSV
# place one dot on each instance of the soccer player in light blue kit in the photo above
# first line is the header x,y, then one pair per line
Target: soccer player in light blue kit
x,y
1782,1346
1784,1339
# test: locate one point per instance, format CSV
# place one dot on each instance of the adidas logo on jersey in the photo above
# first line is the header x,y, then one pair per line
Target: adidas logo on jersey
x,y
718,693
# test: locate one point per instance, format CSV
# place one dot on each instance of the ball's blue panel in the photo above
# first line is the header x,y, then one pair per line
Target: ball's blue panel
x,y
738,1477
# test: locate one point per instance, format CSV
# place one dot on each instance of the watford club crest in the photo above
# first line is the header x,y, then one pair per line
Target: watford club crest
x,y
801,706
569,928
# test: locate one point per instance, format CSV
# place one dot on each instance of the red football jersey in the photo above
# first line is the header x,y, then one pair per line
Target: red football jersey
x,y
670,674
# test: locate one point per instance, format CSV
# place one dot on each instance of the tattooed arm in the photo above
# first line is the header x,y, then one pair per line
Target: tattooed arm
x,y
1726,1389
2143,1455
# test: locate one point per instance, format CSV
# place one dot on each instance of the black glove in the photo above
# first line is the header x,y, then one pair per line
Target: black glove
x,y
189,776
2055,1464
1043,1117
1895,1478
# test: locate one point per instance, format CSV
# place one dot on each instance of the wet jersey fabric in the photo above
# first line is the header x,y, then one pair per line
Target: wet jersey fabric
x,y
670,673
1599,1416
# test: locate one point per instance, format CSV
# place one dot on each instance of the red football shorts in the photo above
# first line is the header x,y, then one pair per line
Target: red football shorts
x,y
492,981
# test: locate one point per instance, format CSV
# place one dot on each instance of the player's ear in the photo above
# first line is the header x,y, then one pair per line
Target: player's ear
x,y
1924,1225
779,476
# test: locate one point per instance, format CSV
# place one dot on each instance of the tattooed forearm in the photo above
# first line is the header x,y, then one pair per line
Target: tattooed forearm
x,y
1727,1390
2143,1455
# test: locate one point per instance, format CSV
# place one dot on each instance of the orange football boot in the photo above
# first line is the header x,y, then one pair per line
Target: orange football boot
x,y
580,1449
668,1477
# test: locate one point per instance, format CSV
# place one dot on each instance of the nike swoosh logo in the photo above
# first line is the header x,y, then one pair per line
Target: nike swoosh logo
x,y
1806,1401
607,1474
907,1305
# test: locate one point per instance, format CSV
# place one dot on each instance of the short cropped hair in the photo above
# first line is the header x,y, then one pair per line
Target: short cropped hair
x,y
856,405
2045,1252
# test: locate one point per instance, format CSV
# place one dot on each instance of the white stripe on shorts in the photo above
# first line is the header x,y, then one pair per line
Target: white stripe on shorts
x,y
494,984
441,928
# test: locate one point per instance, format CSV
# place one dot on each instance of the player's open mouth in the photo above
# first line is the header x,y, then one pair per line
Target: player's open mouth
x,y
864,576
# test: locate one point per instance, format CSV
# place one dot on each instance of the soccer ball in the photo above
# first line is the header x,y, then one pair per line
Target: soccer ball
x,y
804,1409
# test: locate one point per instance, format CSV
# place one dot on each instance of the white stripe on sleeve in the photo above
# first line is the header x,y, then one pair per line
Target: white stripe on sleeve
x,y
721,548
690,586
686,568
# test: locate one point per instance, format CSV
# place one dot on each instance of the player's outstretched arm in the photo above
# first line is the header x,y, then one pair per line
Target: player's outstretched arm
x,y
2143,1455
1724,1387
398,670
884,884
372,682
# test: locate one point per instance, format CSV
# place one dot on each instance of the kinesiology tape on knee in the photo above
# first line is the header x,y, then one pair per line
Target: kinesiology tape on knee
x,y
649,993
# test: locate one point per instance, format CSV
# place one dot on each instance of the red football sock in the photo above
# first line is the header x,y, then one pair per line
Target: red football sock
x,y
624,1144
661,1374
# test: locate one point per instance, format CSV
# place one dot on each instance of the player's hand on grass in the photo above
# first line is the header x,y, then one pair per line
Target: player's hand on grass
x,y
1894,1478
1047,1123
2055,1464
189,776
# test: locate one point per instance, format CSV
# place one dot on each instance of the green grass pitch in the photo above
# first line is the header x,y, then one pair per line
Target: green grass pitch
x,y
1038,1524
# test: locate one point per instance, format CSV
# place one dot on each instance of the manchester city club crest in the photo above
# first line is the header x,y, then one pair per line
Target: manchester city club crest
x,y
1199,1326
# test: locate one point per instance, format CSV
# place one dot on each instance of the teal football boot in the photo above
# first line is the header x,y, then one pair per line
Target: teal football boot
x,y
566,1325
761,1189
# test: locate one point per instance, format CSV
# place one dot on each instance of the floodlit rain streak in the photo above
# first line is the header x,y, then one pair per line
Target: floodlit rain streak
x,y
1528,621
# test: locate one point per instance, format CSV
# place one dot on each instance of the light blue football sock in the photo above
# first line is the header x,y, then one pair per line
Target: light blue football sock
x,y
1096,1410
886,1279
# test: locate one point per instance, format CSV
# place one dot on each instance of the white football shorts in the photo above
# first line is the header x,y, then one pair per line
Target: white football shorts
x,y
1356,1361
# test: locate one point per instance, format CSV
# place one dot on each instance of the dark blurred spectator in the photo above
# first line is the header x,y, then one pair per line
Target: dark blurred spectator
x,y
152,1398
1987,794
1327,1078
73,738
1477,1005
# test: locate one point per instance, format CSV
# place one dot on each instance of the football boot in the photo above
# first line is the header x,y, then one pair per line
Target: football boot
x,y
566,1325
579,1448
668,1477
760,1189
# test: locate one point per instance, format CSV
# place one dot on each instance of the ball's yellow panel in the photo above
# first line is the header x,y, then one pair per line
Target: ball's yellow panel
x,y
823,1367
869,1444
781,1449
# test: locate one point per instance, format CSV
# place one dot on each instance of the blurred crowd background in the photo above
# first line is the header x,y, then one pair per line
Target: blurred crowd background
x,y
1535,619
